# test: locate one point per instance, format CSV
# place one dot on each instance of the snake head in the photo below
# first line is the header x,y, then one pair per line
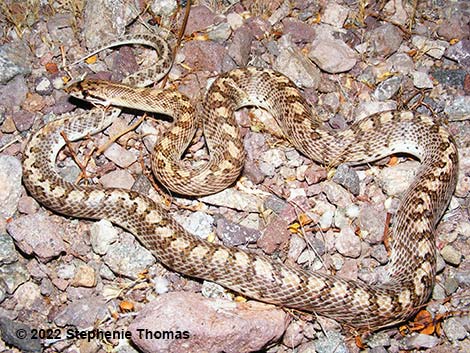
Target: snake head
x,y
90,90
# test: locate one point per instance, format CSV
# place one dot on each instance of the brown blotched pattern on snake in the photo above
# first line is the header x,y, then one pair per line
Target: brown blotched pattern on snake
x,y
413,250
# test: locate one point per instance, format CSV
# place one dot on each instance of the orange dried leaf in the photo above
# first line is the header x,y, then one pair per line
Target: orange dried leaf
x,y
92,59
115,315
304,219
454,41
126,306
359,342
51,68
393,161
202,37
423,317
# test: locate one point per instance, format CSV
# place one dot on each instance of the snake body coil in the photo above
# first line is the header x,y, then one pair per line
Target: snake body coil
x,y
413,250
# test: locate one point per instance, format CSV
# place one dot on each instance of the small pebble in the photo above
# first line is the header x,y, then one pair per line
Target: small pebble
x,y
451,255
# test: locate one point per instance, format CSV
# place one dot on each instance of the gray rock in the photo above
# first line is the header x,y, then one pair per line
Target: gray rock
x,y
387,89
348,178
13,275
400,62
37,234
43,86
368,108
458,108
422,80
451,255
127,257
15,59
454,329
385,40
164,8
460,52
275,203
379,339
332,55
69,172
220,32
59,28
28,296
233,234
451,285
463,274
65,271
8,253
19,335
450,77
10,179
395,180
332,342
105,20
380,254
102,235
433,48
82,313
197,223
419,341
301,71
235,199
438,292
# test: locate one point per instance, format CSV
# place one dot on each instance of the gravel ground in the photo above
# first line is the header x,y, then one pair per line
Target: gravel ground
x,y
60,276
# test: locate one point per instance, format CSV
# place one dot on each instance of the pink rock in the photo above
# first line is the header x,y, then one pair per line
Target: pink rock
x,y
37,234
187,322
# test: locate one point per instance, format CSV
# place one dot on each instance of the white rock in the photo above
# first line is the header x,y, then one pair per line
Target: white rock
x,y
10,181
433,48
197,223
102,235
335,14
422,80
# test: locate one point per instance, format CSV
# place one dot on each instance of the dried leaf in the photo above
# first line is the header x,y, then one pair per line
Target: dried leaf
x,y
92,59
51,68
304,219
126,306
393,161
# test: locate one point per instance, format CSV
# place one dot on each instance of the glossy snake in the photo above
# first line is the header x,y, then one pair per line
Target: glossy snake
x,y
413,259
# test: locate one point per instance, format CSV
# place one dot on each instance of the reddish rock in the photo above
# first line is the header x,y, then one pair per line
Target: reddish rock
x,y
187,322
206,56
